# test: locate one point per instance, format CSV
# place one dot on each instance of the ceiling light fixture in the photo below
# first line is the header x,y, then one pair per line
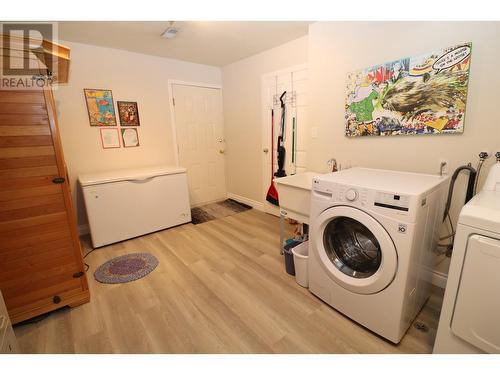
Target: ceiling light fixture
x,y
171,31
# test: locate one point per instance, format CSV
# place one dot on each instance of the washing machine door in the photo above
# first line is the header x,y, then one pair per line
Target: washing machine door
x,y
355,250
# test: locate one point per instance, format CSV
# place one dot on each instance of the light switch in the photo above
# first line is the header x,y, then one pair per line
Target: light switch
x,y
314,132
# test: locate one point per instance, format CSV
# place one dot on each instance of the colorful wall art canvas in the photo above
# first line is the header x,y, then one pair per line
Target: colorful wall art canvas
x,y
100,107
129,114
426,94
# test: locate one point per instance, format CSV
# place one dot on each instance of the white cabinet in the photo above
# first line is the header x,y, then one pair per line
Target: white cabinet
x,y
129,203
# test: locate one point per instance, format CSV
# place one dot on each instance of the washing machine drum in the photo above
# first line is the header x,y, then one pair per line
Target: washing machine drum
x,y
356,251
352,247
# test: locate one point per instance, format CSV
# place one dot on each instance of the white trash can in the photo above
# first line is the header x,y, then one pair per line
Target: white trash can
x,y
300,256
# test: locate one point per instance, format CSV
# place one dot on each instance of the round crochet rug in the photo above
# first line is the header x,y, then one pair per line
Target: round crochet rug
x,y
126,268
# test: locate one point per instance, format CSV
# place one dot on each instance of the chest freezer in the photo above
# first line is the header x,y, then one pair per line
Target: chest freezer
x,y
128,203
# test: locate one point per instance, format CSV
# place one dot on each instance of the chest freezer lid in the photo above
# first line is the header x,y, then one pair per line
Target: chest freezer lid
x,y
136,174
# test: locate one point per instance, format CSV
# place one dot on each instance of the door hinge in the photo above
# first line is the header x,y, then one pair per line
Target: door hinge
x,y
173,101
59,180
78,274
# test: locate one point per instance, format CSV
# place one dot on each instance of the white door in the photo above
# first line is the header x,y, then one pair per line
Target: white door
x,y
355,250
200,140
294,81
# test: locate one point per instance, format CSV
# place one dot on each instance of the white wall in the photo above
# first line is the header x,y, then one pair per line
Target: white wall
x,y
335,48
132,77
242,114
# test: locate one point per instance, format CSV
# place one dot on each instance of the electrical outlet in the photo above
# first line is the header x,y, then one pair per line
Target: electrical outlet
x,y
443,166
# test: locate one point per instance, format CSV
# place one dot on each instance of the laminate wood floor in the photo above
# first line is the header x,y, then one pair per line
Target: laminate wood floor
x,y
220,287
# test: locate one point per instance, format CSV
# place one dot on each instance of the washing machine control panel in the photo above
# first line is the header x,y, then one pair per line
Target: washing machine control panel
x,y
340,193
392,201
357,196
391,204
326,190
351,195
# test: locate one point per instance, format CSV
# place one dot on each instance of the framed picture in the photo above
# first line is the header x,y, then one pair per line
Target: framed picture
x,y
110,138
424,94
129,114
100,107
130,137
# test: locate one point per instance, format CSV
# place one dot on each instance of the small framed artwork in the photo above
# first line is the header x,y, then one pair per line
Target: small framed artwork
x,y
130,137
110,138
129,114
100,107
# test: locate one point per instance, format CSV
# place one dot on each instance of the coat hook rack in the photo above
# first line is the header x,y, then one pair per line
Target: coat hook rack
x,y
290,98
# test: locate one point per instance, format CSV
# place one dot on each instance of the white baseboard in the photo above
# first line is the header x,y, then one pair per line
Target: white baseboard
x,y
254,204
83,229
439,279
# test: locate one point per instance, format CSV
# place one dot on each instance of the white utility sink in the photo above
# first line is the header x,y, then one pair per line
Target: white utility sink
x,y
294,194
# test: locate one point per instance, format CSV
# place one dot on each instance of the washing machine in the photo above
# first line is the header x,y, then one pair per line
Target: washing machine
x,y
471,304
372,238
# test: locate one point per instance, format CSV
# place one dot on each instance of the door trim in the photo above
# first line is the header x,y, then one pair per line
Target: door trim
x,y
387,271
171,83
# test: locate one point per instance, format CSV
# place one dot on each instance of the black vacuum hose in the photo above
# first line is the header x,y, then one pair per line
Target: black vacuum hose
x,y
470,186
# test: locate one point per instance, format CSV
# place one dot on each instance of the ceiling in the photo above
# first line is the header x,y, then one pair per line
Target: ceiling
x,y
203,42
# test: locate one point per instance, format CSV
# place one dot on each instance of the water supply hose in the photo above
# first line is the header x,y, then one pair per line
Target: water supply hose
x,y
470,186
482,157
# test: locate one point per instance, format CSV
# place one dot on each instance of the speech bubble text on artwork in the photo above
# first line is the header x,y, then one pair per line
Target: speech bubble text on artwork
x,y
452,58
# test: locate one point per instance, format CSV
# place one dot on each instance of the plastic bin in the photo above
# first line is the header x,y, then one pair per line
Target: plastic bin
x,y
289,266
288,245
300,257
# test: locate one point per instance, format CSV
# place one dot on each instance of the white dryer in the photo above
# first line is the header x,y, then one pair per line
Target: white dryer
x,y
372,238
471,304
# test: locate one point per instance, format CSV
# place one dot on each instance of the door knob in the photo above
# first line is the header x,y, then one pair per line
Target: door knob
x,y
222,151
266,150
